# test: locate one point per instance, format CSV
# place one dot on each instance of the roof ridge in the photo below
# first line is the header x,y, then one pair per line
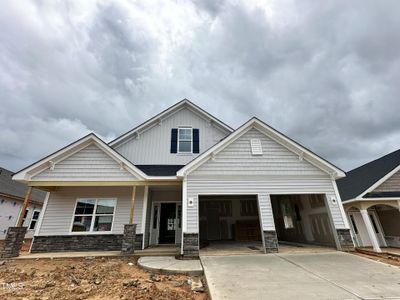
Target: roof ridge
x,y
184,101
373,161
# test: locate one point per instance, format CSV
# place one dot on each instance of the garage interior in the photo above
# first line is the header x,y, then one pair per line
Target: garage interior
x,y
229,222
302,220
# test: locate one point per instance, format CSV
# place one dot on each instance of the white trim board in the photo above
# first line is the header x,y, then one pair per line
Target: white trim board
x,y
26,174
379,182
159,118
278,137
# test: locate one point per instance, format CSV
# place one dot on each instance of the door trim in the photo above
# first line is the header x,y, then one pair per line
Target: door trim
x,y
158,220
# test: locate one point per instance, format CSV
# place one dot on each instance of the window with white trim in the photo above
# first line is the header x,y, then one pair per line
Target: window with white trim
x,y
185,140
34,219
93,215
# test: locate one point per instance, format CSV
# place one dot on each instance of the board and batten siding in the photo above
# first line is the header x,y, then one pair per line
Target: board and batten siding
x,y
61,204
90,163
392,184
153,146
235,170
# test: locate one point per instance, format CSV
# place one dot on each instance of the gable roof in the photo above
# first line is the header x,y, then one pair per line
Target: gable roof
x,y
274,134
365,178
25,174
185,103
17,189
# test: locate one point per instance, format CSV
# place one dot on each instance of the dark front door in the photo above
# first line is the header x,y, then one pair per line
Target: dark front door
x,y
167,223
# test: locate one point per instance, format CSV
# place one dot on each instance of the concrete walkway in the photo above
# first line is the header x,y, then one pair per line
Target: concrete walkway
x,y
171,265
328,275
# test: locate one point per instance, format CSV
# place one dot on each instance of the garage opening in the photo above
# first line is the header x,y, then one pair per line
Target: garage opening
x,y
302,220
229,223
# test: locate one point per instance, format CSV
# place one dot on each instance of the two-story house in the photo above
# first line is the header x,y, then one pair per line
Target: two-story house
x,y
186,178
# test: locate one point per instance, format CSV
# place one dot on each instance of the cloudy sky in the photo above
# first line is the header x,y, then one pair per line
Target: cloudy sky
x,y
326,73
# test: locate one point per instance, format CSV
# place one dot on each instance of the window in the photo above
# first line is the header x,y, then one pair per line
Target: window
x,y
93,215
25,215
225,208
248,208
155,217
179,216
354,224
185,140
373,223
287,216
35,217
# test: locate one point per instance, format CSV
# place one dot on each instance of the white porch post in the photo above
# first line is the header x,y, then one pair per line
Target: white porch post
x,y
144,214
370,230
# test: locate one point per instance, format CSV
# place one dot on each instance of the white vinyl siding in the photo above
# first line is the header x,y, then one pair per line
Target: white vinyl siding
x,y
61,204
276,160
392,184
278,171
153,146
9,213
88,164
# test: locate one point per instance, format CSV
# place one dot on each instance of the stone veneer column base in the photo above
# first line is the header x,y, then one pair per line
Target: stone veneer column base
x,y
271,241
345,240
128,240
190,244
13,242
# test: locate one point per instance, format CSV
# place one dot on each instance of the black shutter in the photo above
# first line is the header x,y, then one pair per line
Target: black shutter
x,y
174,140
196,146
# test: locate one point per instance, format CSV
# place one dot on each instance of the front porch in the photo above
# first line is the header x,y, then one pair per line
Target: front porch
x,y
375,223
91,219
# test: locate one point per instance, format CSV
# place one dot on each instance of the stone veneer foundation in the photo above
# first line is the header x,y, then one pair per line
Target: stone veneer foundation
x,y
270,241
13,242
94,242
191,244
345,240
129,238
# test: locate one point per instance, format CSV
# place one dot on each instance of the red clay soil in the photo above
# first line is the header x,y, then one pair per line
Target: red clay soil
x,y
388,260
89,278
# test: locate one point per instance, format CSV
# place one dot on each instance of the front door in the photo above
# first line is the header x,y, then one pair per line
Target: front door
x,y
167,223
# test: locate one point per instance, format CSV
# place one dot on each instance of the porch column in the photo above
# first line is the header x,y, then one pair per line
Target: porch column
x,y
129,237
24,207
132,204
370,230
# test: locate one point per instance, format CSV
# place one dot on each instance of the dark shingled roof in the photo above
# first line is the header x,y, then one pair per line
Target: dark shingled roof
x,y
360,179
160,170
17,189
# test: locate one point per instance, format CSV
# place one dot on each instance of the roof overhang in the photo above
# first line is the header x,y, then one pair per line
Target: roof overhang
x,y
379,182
275,135
25,175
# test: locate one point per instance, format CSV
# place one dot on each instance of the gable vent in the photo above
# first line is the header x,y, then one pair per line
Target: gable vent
x,y
256,148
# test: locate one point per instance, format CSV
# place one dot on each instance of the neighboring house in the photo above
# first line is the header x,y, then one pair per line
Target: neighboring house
x,y
12,196
371,198
192,180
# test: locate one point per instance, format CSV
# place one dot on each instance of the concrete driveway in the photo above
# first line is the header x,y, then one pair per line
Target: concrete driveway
x,y
330,275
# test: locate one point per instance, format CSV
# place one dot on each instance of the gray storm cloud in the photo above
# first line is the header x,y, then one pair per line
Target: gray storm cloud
x,y
326,73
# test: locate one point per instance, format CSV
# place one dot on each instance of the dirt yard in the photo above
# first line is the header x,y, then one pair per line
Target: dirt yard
x,y
89,278
395,261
